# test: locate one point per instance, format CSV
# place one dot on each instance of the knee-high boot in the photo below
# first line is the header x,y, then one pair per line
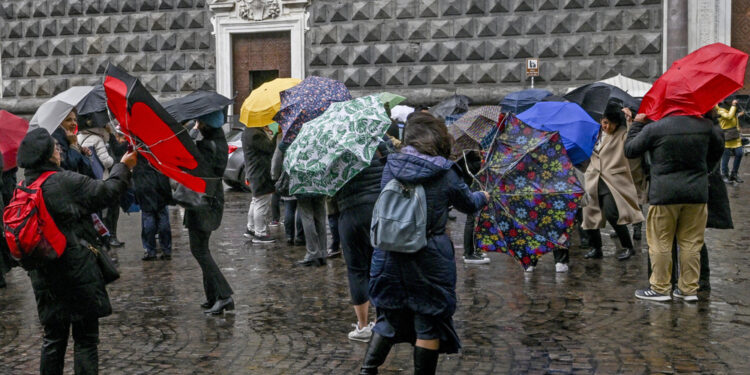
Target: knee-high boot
x,y
425,361
376,354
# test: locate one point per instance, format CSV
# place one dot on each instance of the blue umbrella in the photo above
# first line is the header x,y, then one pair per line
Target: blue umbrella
x,y
577,129
520,101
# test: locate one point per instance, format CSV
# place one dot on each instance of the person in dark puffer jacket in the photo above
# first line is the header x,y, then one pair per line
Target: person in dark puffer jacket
x,y
258,148
70,290
356,201
683,151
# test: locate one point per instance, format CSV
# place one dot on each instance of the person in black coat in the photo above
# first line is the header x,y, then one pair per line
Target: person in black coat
x,y
70,290
470,164
201,221
153,194
118,146
3,245
258,147
356,201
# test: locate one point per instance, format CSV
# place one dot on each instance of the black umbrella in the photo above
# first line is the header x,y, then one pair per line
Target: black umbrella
x,y
554,98
594,98
453,105
92,110
196,104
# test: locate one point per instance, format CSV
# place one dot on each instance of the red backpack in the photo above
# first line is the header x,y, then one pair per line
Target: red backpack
x,y
32,235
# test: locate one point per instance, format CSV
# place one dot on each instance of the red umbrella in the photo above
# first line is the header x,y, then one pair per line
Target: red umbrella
x,y
696,83
13,129
153,131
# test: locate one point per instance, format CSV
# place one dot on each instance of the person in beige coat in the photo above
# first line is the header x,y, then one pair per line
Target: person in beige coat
x,y
609,184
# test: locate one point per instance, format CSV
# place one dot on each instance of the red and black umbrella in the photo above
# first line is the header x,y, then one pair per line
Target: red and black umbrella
x,y
154,133
13,129
696,83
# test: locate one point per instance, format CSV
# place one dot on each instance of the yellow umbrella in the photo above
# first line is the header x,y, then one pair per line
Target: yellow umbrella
x,y
263,103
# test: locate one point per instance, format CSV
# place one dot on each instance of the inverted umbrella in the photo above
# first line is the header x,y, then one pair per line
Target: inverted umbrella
x,y
391,100
307,101
13,129
264,102
633,87
156,135
475,129
453,105
519,101
52,113
534,194
334,147
92,109
577,129
594,97
197,104
696,83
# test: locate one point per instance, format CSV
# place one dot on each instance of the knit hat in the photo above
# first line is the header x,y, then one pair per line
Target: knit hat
x,y
36,148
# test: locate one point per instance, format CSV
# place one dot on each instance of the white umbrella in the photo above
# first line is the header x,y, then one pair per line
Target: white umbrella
x,y
633,87
400,112
53,112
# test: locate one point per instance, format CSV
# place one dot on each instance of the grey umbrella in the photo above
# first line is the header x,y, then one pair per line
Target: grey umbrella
x,y
53,112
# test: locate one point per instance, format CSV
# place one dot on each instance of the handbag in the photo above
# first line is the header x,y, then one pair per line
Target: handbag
x,y
282,184
106,265
731,133
188,198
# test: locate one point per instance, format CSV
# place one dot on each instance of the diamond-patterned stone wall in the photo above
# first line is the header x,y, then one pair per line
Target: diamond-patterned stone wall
x,y
478,47
49,45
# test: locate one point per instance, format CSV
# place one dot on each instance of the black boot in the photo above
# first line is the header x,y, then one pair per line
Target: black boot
x,y
594,254
626,254
637,231
220,305
736,178
425,361
377,351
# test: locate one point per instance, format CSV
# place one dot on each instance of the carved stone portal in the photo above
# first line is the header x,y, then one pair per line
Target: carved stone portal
x,y
258,10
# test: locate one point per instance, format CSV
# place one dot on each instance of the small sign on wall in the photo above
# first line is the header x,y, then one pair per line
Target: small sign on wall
x,y
532,67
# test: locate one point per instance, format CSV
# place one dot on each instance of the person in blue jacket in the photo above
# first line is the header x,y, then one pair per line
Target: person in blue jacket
x,y
415,294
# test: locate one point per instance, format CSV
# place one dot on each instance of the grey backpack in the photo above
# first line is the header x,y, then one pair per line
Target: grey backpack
x,y
399,220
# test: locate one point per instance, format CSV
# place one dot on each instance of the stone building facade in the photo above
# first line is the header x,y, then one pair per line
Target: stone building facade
x,y
423,49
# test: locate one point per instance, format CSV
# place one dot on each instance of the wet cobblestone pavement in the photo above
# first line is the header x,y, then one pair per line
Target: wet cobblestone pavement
x,y
295,320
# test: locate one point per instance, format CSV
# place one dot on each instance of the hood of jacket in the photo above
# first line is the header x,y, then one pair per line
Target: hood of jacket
x,y
411,166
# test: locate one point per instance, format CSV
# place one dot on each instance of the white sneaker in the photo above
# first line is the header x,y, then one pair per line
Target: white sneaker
x,y
530,269
361,334
561,267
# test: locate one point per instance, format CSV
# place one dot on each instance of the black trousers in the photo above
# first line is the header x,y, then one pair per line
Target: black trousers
x,y
705,275
469,243
85,341
111,217
214,284
609,209
354,229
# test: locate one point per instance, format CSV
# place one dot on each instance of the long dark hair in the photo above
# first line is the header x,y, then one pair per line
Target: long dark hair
x,y
613,113
428,135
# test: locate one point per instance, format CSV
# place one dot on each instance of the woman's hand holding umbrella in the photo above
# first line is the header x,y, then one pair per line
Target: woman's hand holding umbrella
x,y
130,159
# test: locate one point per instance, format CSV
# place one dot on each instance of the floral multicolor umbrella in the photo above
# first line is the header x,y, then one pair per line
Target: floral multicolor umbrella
x,y
534,193
475,129
306,101
330,150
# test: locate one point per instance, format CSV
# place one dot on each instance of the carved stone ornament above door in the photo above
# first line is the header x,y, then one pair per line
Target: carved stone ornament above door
x,y
258,10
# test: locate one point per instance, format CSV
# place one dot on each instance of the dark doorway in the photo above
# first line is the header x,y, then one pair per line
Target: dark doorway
x,y
259,77
258,58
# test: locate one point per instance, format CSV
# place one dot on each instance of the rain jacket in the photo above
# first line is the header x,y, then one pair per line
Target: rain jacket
x,y
258,149
72,287
424,282
727,120
683,150
215,151
364,188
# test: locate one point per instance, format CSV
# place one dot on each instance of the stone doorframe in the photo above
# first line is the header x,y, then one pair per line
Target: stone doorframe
x,y
256,16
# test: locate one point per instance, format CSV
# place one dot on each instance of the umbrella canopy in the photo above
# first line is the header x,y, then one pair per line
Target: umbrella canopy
x,y
534,194
391,100
577,129
453,105
263,103
554,98
334,147
154,133
197,104
696,83
13,129
475,129
401,112
631,86
594,97
306,101
92,109
519,101
52,113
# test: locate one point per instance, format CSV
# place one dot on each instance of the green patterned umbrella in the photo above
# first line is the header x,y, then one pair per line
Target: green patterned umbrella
x,y
331,149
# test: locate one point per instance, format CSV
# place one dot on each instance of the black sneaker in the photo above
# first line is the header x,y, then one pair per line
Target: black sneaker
x,y
677,293
651,295
290,241
725,178
263,239
249,234
333,253
736,178
148,258
594,254
475,258
114,242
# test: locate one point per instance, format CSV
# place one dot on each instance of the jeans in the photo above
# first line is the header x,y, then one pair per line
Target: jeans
x,y
292,221
153,223
354,226
728,153
214,284
313,213
257,215
333,225
85,341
